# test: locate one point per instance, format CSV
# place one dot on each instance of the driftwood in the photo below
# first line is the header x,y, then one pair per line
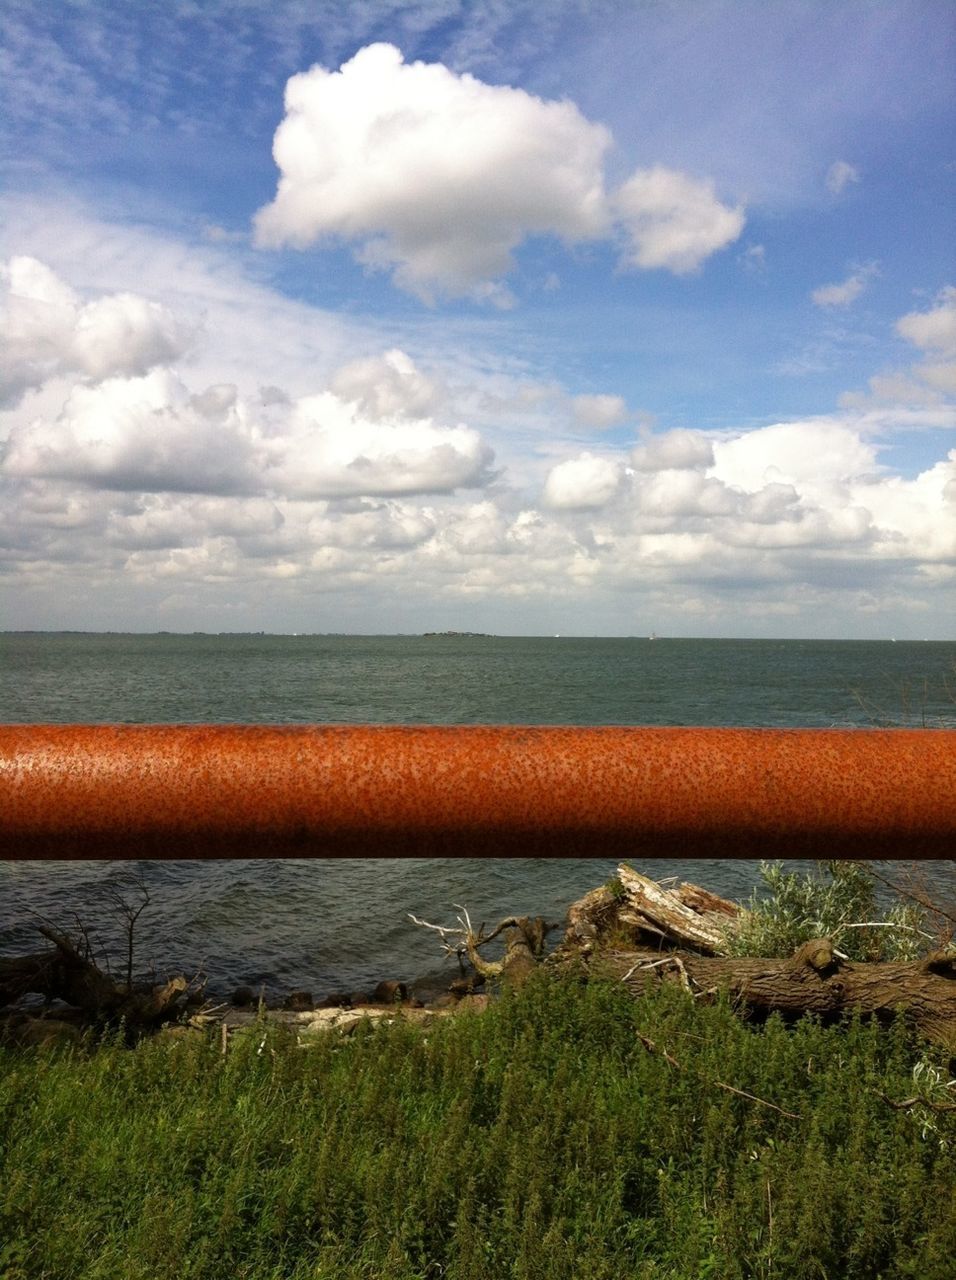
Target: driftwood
x,y
645,912
524,945
813,980
638,931
687,915
67,974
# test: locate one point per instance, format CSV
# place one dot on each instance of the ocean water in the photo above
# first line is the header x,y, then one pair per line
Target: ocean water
x,y
255,679
342,924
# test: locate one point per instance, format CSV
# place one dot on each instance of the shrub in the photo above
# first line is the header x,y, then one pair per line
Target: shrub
x,y
839,902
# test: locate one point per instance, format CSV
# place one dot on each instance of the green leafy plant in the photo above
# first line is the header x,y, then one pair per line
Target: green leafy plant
x,y
615,889
838,902
540,1138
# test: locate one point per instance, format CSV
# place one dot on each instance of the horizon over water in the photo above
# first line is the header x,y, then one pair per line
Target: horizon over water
x,y
330,924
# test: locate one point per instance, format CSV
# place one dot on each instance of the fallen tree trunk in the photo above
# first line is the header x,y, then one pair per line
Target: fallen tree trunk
x,y
21,975
66,974
813,980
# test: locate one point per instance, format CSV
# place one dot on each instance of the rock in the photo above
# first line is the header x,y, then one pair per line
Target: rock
x,y
430,987
337,1000
344,1021
390,992
359,997
446,1001
465,986
298,1001
242,997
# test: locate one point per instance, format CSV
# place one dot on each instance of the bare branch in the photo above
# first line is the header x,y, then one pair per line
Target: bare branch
x,y
904,1104
471,941
908,892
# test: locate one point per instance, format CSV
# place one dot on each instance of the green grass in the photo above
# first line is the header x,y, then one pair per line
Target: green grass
x,y
538,1139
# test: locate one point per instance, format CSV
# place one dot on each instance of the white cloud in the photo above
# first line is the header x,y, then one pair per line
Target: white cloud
x,y
436,175
241,330
680,493
387,386
149,434
367,526
673,221
840,175
599,411
915,397
140,434
813,455
150,489
46,330
933,330
722,540
125,334
679,448
439,177
585,483
328,450
848,290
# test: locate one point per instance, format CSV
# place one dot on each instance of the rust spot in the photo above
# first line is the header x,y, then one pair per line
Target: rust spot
x,y
226,791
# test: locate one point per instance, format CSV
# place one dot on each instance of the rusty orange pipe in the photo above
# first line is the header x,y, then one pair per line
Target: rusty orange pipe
x,y
225,791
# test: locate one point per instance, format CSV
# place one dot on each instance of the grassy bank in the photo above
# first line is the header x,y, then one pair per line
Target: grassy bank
x,y
541,1138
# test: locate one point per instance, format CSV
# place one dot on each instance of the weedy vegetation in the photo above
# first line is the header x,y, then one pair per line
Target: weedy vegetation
x,y
538,1140
838,902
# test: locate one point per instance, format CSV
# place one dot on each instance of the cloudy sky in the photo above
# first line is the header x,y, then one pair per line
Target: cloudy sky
x,y
523,316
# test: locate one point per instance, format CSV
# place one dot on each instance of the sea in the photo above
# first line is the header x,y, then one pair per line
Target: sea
x,y
341,925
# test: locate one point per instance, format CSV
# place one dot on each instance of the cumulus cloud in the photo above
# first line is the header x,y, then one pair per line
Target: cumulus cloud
x,y
840,175
439,177
770,518
328,449
585,483
599,411
140,434
46,330
674,221
387,386
150,434
813,456
156,486
436,175
684,492
675,449
848,290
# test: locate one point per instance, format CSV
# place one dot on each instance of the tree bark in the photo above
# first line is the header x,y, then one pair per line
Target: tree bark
x,y
524,947
813,980
642,911
687,915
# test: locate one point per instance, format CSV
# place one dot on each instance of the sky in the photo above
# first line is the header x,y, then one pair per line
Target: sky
x,y
577,317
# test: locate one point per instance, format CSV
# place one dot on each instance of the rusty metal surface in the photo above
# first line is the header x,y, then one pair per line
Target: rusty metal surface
x,y
222,791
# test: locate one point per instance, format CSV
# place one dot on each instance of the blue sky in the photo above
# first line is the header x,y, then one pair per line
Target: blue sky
x,y
598,318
